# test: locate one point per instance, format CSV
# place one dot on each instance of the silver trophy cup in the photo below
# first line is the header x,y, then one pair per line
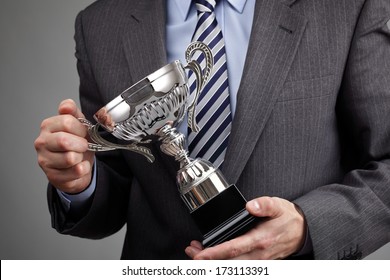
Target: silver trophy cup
x,y
152,109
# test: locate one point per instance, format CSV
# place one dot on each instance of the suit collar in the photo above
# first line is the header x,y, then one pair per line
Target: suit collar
x,y
276,34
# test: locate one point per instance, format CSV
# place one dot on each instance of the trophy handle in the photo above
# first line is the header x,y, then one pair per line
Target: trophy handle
x,y
201,77
102,145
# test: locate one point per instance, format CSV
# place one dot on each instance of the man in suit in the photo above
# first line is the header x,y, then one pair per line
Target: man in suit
x,y
309,144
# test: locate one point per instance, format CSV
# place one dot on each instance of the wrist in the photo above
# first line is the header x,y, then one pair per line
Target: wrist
x,y
305,246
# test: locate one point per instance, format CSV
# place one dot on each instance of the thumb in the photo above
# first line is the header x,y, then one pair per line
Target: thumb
x,y
264,207
69,107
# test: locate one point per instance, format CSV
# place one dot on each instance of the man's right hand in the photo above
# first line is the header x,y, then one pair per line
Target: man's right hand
x,y
62,150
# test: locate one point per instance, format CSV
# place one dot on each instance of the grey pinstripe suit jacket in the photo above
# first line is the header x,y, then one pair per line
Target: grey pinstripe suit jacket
x,y
312,124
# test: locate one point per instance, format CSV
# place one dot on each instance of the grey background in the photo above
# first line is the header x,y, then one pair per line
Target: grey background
x,y
37,71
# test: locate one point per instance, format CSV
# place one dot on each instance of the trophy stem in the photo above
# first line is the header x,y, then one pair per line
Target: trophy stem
x,y
172,144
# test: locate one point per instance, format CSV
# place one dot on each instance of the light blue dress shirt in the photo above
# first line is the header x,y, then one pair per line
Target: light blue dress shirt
x,y
235,18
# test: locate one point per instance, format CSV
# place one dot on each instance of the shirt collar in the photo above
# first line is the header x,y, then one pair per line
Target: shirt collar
x,y
184,6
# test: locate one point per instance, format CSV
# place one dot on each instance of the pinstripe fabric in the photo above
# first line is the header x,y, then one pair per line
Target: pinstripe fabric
x,y
311,124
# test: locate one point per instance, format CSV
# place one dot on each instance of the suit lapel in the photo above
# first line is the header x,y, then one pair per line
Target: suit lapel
x,y
144,38
275,37
144,48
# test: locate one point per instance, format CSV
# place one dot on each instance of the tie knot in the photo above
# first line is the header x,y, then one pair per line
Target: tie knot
x,y
205,6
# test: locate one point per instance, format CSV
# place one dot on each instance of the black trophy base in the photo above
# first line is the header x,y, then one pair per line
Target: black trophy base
x,y
224,217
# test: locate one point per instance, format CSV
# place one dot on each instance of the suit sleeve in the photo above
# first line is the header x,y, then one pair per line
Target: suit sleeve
x,y
106,212
352,219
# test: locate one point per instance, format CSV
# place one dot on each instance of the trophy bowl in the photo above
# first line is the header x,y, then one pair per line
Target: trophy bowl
x,y
144,108
159,99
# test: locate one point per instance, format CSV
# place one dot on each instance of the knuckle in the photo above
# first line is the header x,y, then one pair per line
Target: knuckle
x,y
63,141
42,162
70,158
68,123
39,143
234,252
266,204
265,243
44,124
80,170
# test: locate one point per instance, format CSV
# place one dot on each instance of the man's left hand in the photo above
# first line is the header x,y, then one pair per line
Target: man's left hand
x,y
280,234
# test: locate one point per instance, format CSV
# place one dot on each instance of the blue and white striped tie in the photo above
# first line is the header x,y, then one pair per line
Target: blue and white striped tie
x,y
213,109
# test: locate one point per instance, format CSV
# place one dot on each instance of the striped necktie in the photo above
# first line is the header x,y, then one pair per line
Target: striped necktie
x,y
213,113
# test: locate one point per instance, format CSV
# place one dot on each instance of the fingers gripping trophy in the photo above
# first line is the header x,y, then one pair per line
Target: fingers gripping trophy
x,y
152,109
